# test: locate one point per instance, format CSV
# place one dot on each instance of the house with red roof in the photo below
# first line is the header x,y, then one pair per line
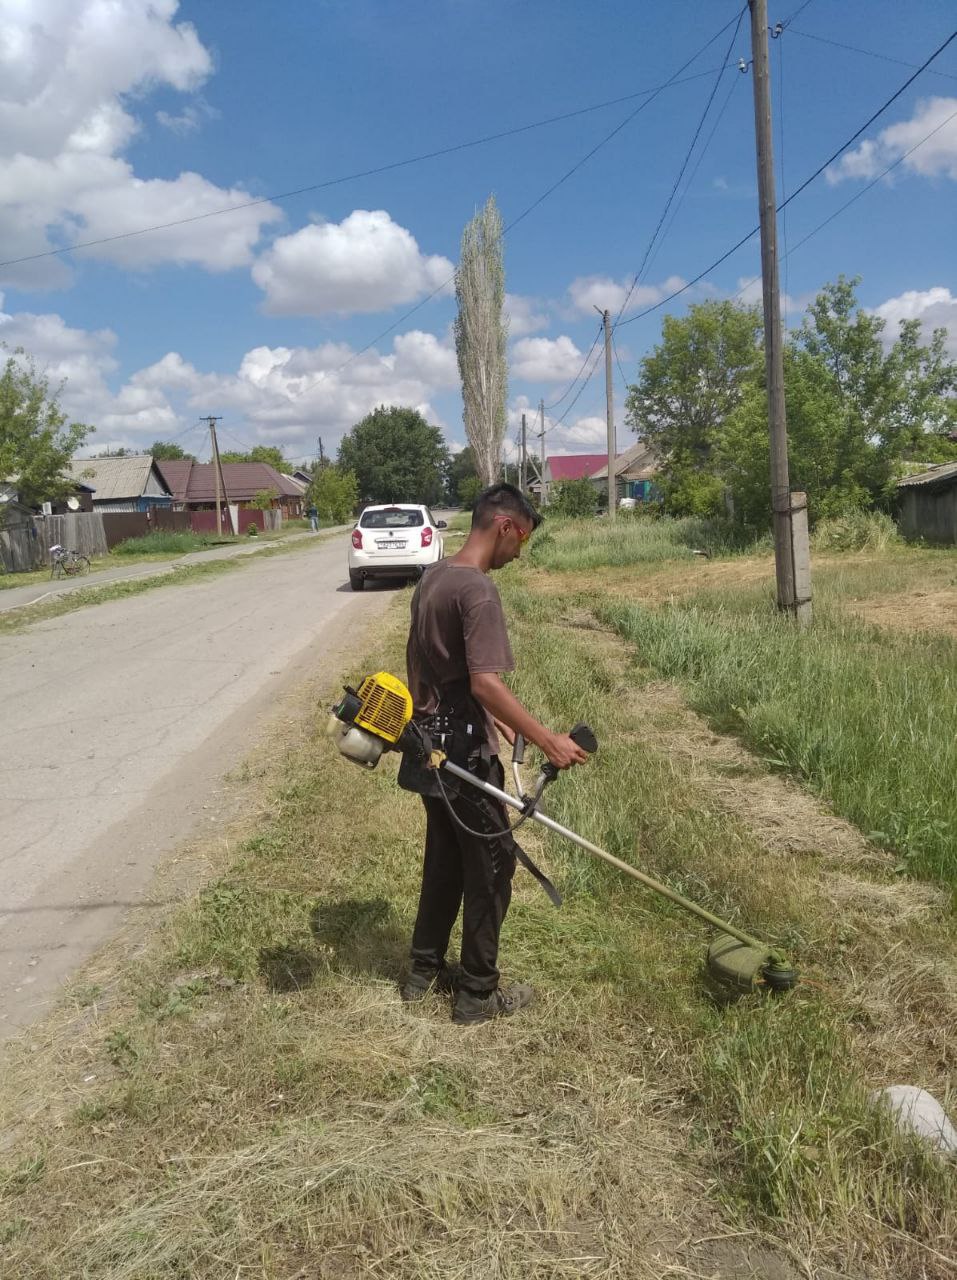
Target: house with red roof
x,y
573,466
193,486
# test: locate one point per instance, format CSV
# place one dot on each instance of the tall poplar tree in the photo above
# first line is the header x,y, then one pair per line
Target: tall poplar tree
x,y
481,331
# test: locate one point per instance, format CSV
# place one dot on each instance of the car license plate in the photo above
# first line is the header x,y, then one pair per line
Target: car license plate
x,y
391,545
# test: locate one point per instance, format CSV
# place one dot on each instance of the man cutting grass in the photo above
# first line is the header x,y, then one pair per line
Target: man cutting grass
x,y
458,648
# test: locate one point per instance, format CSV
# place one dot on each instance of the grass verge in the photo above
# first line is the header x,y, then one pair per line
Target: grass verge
x,y
257,1100
563,545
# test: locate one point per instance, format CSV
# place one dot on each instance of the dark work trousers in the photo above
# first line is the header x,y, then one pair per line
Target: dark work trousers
x,y
462,871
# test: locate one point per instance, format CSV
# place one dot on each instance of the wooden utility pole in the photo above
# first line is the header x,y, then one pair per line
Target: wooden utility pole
x,y
218,472
322,456
788,565
523,469
541,440
610,417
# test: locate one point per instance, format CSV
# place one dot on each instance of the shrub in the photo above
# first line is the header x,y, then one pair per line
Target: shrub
x,y
856,531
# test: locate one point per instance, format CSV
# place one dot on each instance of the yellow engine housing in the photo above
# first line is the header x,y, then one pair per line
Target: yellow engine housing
x,y
386,706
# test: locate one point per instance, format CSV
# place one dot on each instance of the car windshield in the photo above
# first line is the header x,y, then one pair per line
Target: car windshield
x,y
391,518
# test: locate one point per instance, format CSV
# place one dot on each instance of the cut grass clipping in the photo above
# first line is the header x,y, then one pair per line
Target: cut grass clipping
x,y
259,1102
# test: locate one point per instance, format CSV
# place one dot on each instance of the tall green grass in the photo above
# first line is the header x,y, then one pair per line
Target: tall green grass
x,y
867,717
627,540
175,543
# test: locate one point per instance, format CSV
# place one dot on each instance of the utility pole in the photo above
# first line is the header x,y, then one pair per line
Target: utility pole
x,y
610,418
322,456
218,472
791,555
541,438
523,468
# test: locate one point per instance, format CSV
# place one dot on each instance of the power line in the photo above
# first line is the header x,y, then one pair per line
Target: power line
x,y
794,194
684,165
556,403
857,195
870,53
577,396
614,347
694,172
363,173
653,93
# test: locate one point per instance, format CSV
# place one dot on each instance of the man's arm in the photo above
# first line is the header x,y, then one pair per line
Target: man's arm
x,y
493,693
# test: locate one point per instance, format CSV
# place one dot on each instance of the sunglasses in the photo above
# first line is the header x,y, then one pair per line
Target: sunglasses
x,y
523,534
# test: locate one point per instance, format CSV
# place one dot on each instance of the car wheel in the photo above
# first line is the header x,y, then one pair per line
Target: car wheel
x,y
356,581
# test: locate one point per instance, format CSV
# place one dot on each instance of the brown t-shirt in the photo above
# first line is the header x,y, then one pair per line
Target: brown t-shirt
x,y
458,629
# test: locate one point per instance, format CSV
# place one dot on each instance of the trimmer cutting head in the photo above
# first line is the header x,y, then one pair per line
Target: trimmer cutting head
x,y
734,969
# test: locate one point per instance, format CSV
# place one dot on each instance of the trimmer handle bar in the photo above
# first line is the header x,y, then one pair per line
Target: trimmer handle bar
x,y
580,733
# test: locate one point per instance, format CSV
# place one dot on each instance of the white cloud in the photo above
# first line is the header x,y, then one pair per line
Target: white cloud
x,y
525,315
70,70
935,308
545,359
934,158
365,263
276,395
588,292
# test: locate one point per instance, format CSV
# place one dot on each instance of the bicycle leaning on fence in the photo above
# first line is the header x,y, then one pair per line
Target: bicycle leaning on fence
x,y
67,564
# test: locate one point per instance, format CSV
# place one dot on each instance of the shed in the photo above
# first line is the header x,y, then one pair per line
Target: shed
x,y
128,483
928,504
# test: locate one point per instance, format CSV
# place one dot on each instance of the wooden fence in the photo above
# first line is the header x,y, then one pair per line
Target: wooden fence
x,y
25,545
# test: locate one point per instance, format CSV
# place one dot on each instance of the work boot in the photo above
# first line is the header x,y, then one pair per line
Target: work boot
x,y
471,1007
422,982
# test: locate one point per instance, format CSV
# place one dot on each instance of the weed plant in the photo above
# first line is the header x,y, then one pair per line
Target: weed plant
x,y
171,542
866,717
630,539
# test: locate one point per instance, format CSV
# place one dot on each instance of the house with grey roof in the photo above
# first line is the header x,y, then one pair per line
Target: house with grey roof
x,y
634,472
129,483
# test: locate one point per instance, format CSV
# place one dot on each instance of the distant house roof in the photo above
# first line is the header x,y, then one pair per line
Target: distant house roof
x,y
114,479
574,466
175,473
940,477
243,480
639,462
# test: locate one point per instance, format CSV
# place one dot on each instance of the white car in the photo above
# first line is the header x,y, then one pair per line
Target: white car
x,y
395,541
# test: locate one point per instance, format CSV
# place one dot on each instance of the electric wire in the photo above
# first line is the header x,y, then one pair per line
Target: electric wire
x,y
794,194
614,347
556,403
870,53
577,396
857,195
652,94
684,165
694,172
363,173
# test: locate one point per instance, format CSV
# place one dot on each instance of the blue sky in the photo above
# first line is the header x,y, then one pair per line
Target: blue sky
x,y
120,115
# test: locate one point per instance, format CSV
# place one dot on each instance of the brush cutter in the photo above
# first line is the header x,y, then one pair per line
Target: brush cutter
x,y
377,717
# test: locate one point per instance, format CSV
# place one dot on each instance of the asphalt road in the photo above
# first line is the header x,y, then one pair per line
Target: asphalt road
x,y
119,723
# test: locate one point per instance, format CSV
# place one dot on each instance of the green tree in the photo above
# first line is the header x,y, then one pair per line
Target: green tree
x,y
36,439
468,491
259,453
263,499
856,411
335,494
687,387
396,456
461,468
573,498
481,335
167,451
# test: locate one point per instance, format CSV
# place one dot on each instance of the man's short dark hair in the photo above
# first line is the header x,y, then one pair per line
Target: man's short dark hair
x,y
504,500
